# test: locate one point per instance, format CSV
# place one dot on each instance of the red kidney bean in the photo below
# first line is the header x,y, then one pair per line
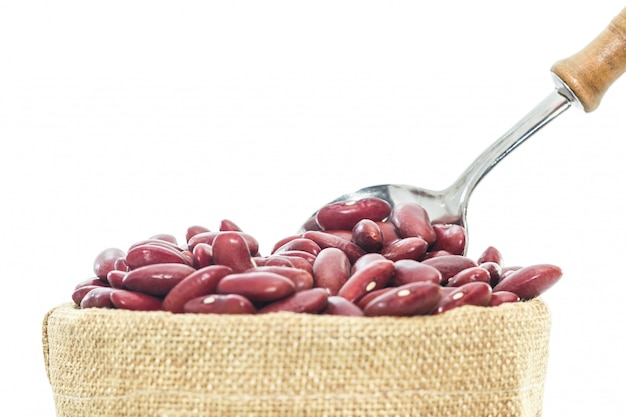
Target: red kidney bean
x,y
231,249
367,235
406,248
408,270
435,253
120,264
201,282
339,306
284,240
129,300
274,260
311,301
105,261
472,274
389,231
326,240
149,254
299,244
309,257
92,282
202,255
331,270
451,238
209,237
194,230
363,301
166,237
80,292
344,234
412,220
473,293
299,262
501,297
530,281
99,297
490,254
115,278
449,265
229,226
220,304
258,287
495,272
343,215
301,278
508,270
365,259
416,298
156,279
371,277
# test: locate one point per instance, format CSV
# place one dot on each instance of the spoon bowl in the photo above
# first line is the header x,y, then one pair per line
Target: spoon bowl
x,y
581,79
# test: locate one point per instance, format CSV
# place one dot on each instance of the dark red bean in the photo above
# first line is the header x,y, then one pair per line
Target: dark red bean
x,y
229,226
472,274
371,277
150,254
473,293
99,297
501,297
495,272
417,298
220,304
344,215
209,237
80,292
156,279
258,287
407,271
450,237
105,262
367,235
412,220
326,240
407,248
310,301
158,242
530,281
273,260
299,244
309,257
92,281
231,249
449,265
490,254
301,278
331,270
339,306
202,255
365,259
129,300
121,265
194,230
201,282
389,231
363,301
115,278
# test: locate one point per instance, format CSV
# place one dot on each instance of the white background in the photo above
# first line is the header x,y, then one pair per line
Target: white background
x,y
123,119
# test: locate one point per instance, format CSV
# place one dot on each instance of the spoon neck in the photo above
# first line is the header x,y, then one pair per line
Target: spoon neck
x,y
548,109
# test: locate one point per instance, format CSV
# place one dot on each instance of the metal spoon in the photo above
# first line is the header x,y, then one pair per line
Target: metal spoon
x,y
581,79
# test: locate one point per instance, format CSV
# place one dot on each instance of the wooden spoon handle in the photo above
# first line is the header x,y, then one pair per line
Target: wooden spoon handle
x,y
590,72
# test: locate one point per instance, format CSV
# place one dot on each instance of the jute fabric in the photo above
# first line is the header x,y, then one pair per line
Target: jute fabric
x,y
470,361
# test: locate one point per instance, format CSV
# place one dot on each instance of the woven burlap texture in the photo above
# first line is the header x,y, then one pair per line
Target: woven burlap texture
x,y
471,361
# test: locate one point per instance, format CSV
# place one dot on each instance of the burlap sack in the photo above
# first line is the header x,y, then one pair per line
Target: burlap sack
x,y
467,362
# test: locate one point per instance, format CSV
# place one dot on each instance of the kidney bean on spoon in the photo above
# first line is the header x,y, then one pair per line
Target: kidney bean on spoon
x,y
359,258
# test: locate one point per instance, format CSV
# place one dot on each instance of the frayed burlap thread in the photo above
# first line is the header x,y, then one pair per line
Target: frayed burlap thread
x,y
471,361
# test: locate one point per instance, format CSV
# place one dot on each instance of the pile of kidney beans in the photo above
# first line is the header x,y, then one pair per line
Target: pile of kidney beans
x,y
358,258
